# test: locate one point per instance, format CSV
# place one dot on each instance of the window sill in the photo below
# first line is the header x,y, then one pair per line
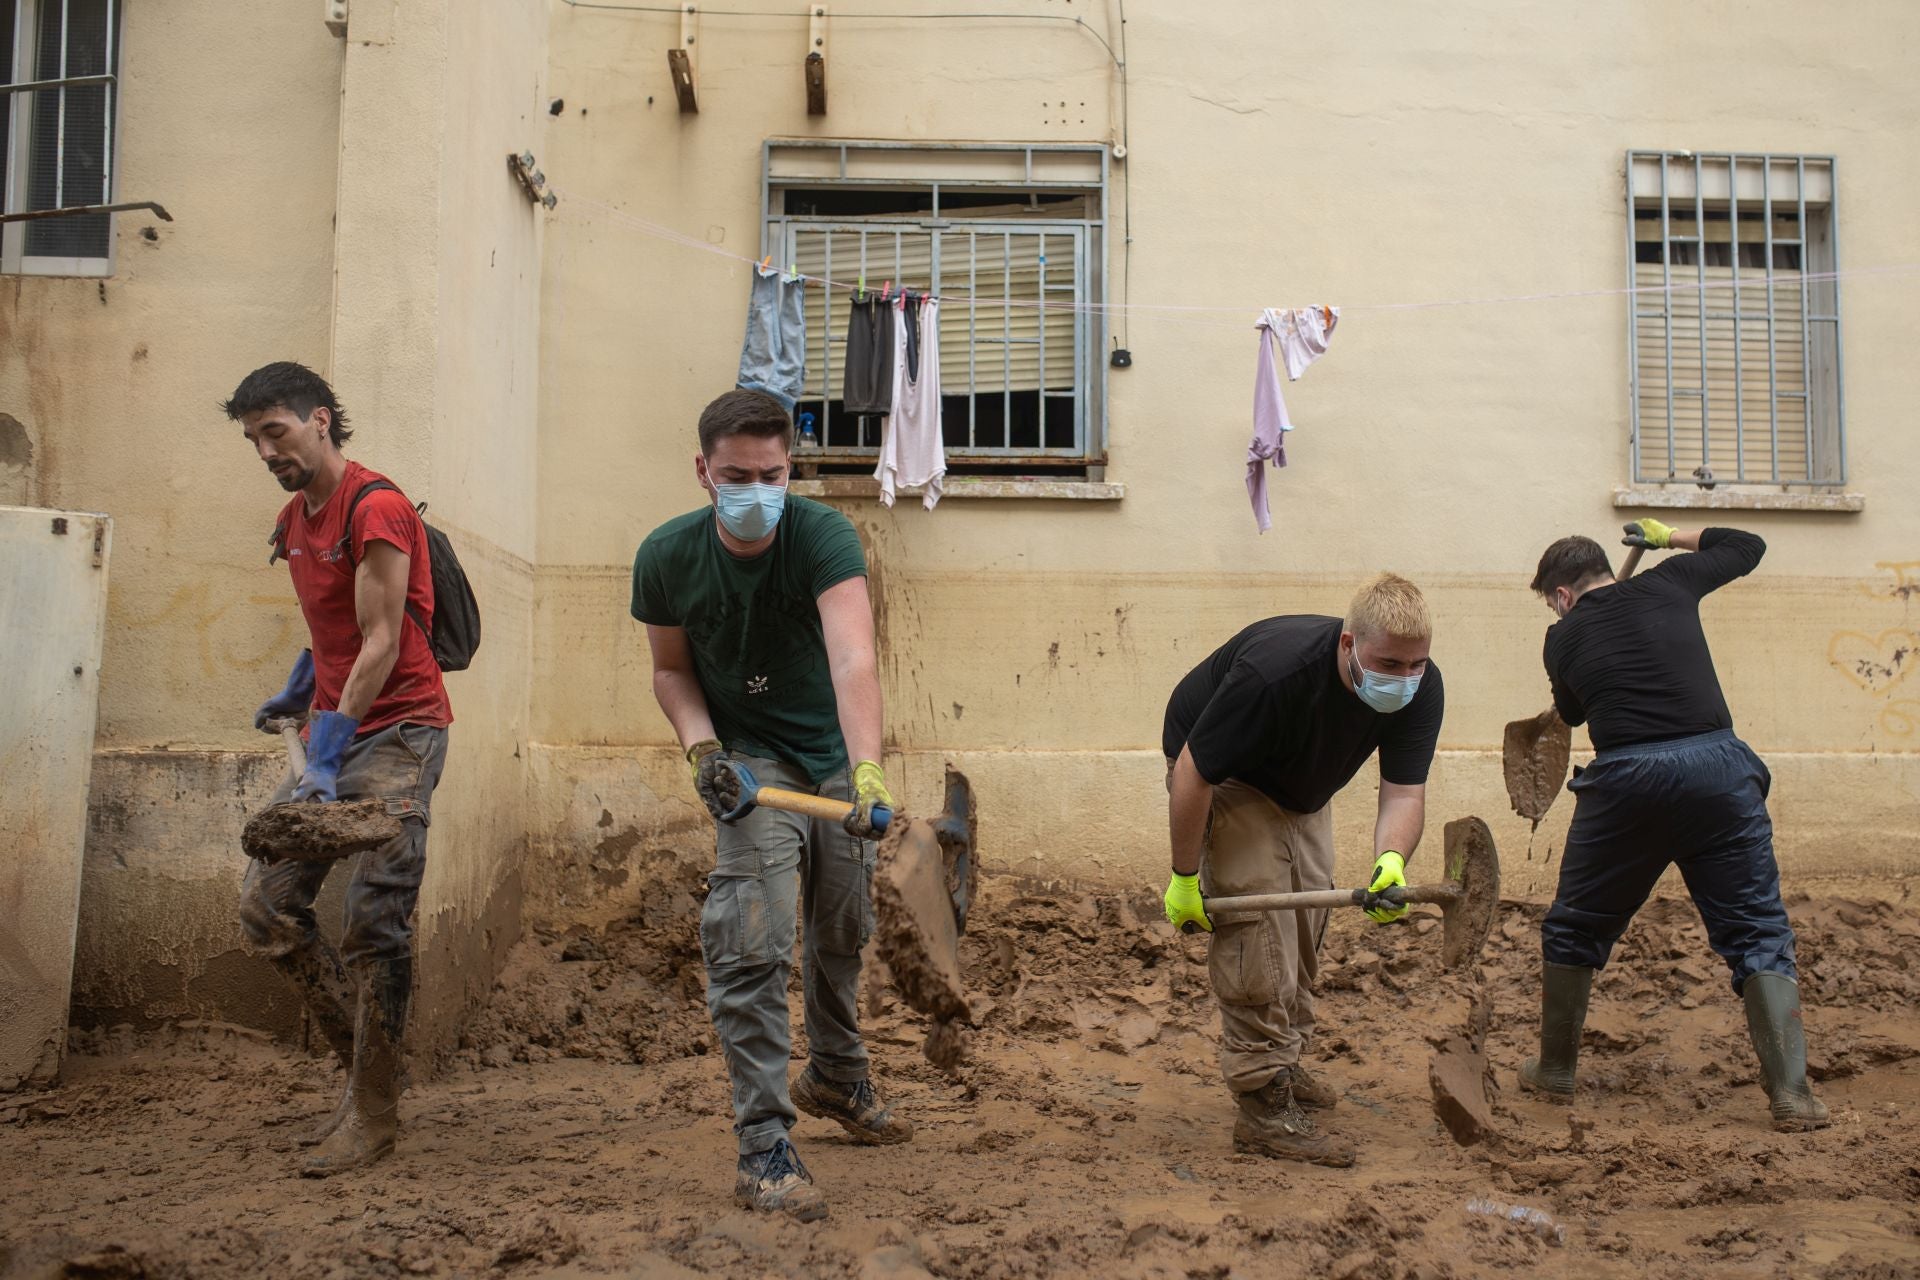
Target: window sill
x,y
1752,498
968,487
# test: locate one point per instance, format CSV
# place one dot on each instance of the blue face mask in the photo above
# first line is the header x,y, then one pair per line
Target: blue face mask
x,y
750,511
1385,694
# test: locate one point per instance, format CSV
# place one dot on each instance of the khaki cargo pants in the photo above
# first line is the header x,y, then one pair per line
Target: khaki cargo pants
x,y
1263,967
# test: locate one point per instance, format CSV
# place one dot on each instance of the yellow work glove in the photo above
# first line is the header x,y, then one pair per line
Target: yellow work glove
x,y
1184,908
1648,533
1389,872
869,793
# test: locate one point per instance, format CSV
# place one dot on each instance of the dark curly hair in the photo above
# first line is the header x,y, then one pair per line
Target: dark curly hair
x,y
288,384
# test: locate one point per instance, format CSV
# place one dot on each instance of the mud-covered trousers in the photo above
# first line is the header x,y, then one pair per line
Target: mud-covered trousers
x,y
400,765
1700,802
765,865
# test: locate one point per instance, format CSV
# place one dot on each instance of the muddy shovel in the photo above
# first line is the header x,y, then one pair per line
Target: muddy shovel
x,y
1535,752
1468,898
304,831
926,876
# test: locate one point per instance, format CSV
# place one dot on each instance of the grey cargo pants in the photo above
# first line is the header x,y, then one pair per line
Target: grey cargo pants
x,y
764,866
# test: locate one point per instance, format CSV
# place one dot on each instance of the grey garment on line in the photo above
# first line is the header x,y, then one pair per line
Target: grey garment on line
x,y
765,865
401,765
773,358
869,357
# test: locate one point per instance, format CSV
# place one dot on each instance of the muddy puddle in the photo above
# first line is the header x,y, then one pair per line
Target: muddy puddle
x,y
582,1130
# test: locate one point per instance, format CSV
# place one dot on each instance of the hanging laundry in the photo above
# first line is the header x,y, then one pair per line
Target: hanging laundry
x,y
869,361
912,451
1299,335
773,358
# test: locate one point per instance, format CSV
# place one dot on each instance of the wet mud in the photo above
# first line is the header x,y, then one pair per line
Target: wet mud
x,y
582,1129
916,937
1534,754
308,832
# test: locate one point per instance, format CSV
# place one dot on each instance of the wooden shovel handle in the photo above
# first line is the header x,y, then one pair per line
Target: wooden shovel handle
x,y
1255,903
801,802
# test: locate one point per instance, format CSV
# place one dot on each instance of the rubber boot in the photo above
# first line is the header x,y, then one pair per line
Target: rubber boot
x,y
371,1118
315,972
856,1107
1271,1123
1780,1039
1563,1013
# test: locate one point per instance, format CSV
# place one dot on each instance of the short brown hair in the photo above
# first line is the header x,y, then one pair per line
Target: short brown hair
x,y
1389,605
1570,562
744,413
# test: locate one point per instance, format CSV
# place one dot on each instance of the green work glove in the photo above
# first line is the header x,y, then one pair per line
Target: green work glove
x,y
1184,908
869,793
1389,872
1648,534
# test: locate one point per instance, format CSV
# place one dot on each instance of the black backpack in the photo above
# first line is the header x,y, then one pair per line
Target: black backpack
x,y
455,634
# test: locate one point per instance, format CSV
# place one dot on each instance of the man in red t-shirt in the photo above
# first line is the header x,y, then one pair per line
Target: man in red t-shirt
x,y
377,729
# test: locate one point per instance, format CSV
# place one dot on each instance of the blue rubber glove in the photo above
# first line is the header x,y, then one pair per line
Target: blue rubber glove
x,y
328,737
293,700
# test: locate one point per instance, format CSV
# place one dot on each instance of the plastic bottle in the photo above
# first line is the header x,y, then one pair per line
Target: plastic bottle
x,y
1537,1221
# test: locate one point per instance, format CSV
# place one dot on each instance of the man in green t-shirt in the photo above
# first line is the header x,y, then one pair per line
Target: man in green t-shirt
x,y
757,613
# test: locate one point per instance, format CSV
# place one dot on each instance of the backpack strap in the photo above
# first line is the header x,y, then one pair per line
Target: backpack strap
x,y
346,543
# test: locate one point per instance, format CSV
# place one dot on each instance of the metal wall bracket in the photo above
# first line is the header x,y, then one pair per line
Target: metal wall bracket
x,y
816,66
81,210
531,180
681,64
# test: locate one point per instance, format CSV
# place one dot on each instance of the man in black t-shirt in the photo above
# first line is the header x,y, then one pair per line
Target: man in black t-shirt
x,y
1258,738
1669,783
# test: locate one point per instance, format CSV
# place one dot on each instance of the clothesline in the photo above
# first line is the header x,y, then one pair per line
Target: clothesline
x,y
1191,313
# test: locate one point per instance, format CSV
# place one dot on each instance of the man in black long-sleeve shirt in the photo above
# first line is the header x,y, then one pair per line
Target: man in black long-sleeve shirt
x,y
1669,783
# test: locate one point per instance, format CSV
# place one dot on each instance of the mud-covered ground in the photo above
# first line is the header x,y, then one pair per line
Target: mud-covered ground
x,y
584,1128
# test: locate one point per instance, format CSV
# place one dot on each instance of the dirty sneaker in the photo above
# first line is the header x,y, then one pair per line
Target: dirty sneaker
x,y
1311,1091
774,1181
1271,1123
857,1108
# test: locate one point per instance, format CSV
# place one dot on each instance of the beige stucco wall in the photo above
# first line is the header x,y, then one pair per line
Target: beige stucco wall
x,y
343,203
536,377
1356,155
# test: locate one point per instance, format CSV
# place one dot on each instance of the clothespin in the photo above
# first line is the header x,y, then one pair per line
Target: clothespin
x,y
860,290
766,264
1326,314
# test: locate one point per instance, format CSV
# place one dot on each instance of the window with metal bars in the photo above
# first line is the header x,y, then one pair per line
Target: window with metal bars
x,y
60,60
1008,238
1735,319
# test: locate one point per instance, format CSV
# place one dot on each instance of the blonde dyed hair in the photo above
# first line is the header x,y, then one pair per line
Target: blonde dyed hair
x,y
1389,605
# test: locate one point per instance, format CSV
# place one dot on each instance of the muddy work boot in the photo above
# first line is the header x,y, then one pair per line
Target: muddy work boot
x,y
1563,1014
774,1181
856,1107
1773,1020
1312,1092
371,1109
1271,1123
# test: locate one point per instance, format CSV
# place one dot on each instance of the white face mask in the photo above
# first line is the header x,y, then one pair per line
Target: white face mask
x,y
1385,694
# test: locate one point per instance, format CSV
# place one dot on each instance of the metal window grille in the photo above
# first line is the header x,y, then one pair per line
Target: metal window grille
x,y
1022,379
1734,328
61,102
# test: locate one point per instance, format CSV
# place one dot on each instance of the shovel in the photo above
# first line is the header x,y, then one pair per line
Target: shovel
x,y
925,878
1535,752
1468,898
302,831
